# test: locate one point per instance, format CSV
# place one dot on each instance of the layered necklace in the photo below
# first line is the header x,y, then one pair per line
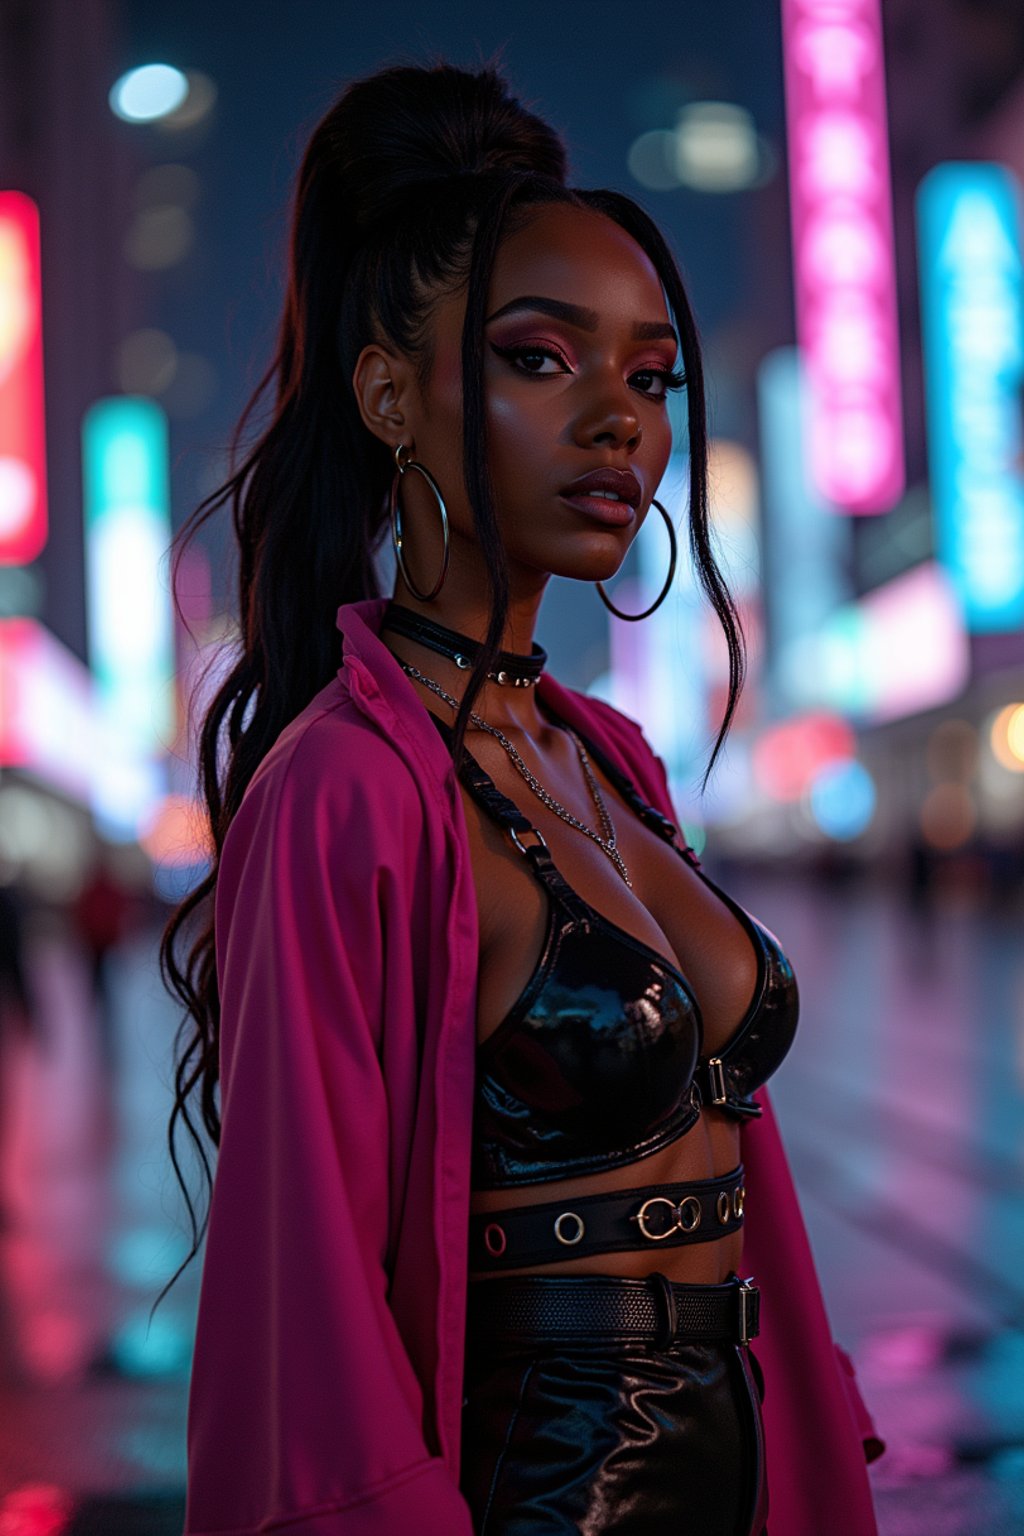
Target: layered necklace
x,y
450,643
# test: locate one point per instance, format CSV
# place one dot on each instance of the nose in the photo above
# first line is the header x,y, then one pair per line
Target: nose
x,y
610,421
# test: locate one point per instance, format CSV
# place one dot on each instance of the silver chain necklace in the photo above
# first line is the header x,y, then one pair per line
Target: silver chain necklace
x,y
607,842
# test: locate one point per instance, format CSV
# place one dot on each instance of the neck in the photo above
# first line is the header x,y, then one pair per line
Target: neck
x,y
469,615
499,704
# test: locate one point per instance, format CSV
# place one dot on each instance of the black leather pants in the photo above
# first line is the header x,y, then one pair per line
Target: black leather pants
x,y
620,1439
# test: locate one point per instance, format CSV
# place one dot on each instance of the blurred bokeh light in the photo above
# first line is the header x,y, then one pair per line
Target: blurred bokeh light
x,y
714,147
148,92
159,237
1007,737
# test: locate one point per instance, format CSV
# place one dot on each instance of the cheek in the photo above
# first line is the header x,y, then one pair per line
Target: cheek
x,y
521,424
656,445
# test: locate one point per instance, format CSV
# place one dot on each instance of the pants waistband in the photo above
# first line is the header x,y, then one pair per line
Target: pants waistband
x,y
542,1309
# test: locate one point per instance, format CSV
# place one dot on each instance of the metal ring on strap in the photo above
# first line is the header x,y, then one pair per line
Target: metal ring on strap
x,y
580,1228
514,835
691,1205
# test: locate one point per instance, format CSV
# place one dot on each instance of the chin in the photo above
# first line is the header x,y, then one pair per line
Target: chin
x,y
594,555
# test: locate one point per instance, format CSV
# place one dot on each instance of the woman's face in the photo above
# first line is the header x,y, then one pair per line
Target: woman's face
x,y
577,348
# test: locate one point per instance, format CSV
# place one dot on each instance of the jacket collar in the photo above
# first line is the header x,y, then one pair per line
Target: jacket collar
x,y
378,686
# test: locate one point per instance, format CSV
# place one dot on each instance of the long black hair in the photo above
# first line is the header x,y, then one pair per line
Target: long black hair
x,y
406,189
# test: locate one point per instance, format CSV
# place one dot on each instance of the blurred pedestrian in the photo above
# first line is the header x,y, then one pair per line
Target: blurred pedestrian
x,y
18,1018
16,1008
101,915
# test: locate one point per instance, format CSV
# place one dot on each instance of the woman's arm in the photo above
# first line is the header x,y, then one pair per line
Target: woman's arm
x,y
304,1410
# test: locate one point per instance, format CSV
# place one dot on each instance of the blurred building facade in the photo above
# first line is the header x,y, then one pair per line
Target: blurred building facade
x,y
58,144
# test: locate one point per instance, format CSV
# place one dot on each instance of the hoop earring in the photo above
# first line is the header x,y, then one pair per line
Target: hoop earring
x,y
395,514
632,617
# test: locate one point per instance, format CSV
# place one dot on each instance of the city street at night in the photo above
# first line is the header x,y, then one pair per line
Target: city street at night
x,y
901,1116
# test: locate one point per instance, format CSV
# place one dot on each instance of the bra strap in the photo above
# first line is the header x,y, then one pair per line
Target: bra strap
x,y
508,815
483,788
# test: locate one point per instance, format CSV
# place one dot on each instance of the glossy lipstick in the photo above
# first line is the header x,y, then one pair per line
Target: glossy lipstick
x,y
620,483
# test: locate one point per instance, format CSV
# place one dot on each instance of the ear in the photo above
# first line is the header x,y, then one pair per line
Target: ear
x,y
385,391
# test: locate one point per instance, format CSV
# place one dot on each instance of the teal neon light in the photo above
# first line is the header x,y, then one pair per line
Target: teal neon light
x,y
973,323
127,534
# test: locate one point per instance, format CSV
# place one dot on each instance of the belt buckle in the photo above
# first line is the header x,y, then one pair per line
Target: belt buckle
x,y
750,1308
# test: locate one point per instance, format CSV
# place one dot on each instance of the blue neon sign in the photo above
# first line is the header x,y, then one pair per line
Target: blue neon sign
x,y
807,542
973,330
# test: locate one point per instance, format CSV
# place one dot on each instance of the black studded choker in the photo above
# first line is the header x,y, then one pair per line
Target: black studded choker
x,y
510,668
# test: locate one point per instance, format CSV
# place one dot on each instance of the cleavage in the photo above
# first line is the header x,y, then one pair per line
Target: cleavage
x,y
714,952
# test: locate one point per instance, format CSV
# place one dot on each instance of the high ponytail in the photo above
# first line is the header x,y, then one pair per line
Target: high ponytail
x,y
406,190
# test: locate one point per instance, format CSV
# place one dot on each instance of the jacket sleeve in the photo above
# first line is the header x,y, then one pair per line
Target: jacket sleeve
x,y
304,1409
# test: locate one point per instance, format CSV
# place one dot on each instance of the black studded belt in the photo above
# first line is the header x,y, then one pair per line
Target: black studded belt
x,y
668,1215
537,1310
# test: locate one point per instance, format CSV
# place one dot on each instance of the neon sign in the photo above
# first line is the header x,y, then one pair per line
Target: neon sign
x,y
843,249
51,726
47,709
22,431
901,649
808,548
127,534
971,291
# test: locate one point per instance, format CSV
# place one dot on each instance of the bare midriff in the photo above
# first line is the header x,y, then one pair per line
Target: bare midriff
x,y
709,1150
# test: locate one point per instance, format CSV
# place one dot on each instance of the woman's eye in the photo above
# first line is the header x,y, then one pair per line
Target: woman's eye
x,y
655,383
663,379
532,359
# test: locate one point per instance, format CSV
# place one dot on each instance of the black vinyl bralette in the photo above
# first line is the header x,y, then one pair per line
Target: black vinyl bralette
x,y
599,1062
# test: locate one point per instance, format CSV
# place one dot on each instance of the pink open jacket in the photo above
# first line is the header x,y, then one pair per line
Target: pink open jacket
x,y
327,1376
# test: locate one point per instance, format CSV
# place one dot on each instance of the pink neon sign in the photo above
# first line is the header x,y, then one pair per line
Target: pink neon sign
x,y
47,709
843,249
22,448
914,654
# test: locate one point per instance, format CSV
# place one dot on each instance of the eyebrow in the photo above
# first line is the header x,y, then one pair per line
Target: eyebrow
x,y
585,319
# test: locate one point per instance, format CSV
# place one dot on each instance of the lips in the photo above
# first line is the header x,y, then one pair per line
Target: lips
x,y
620,483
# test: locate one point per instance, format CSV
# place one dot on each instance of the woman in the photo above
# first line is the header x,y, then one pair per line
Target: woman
x,y
485,1034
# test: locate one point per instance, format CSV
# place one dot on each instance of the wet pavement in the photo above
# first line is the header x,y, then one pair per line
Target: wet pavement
x,y
93,1394
900,1107
901,1111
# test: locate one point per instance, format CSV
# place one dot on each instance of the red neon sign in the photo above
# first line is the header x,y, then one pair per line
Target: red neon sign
x,y
22,432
